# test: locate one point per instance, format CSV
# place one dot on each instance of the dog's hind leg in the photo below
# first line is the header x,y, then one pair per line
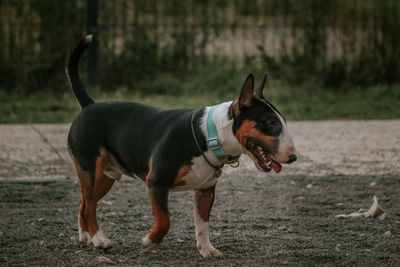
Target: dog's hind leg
x,y
84,236
92,192
102,186
84,181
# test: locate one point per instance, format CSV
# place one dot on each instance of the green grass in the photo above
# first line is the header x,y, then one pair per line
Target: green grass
x,y
295,103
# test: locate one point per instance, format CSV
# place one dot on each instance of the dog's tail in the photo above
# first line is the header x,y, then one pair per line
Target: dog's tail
x,y
73,75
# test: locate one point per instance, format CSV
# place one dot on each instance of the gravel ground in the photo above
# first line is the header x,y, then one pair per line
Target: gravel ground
x,y
257,218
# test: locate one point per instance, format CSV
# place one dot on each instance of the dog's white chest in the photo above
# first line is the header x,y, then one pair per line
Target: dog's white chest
x,y
201,176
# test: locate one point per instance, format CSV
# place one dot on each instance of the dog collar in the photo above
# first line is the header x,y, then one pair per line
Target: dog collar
x,y
213,142
232,161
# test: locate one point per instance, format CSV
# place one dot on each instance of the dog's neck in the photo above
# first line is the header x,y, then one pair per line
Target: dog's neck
x,y
226,138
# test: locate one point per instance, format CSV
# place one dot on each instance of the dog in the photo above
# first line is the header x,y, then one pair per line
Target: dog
x,y
169,150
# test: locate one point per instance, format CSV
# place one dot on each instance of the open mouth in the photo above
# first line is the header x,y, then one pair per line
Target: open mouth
x,y
262,158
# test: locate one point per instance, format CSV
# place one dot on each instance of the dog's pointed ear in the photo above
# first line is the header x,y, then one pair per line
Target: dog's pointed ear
x,y
246,95
258,93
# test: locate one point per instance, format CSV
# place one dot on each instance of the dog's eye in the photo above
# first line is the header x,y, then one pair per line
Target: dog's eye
x,y
271,122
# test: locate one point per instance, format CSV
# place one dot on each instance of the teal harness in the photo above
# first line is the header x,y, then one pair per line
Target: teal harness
x,y
212,140
214,145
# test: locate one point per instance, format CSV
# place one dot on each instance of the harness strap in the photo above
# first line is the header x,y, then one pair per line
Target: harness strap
x,y
217,169
214,145
213,142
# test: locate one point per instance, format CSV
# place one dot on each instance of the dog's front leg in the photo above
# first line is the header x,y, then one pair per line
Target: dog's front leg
x,y
203,202
159,202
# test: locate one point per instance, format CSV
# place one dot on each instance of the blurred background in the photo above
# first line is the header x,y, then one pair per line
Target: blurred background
x,y
330,59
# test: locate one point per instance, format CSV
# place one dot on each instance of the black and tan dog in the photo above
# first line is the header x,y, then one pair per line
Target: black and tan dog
x,y
169,150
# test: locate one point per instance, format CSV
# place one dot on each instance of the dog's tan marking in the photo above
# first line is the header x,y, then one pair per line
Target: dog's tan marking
x,y
150,173
161,223
181,174
84,181
110,166
247,130
204,201
234,109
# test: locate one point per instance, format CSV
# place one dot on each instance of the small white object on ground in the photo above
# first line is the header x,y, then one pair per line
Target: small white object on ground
x,y
375,211
106,202
351,215
387,234
105,259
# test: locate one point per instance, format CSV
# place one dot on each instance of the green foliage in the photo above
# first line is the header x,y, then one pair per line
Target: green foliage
x,y
162,85
33,42
295,103
368,51
176,47
221,79
138,62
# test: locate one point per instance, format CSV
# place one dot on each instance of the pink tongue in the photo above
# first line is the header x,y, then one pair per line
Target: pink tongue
x,y
276,166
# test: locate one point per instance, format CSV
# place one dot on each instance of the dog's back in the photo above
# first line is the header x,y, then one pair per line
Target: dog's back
x,y
132,129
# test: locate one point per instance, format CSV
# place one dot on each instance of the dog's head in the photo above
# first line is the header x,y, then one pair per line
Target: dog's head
x,y
261,129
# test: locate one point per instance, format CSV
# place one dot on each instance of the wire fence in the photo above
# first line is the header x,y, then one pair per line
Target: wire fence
x,y
331,42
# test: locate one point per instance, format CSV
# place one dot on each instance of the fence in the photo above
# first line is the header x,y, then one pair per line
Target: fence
x,y
328,42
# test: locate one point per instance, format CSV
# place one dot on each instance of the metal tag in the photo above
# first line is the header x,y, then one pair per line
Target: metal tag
x,y
234,164
218,172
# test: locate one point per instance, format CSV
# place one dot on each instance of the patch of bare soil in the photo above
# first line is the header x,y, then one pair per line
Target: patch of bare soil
x,y
278,220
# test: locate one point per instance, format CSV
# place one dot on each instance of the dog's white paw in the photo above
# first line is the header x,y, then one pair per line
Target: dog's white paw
x,y
100,240
208,251
84,236
147,244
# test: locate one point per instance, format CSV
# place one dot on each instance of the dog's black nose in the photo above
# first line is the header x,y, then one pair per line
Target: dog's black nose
x,y
292,158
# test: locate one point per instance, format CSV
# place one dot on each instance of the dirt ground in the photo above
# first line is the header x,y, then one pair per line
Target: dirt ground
x,y
258,219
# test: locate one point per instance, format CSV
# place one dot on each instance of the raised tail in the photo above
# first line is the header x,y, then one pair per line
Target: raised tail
x,y
73,75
